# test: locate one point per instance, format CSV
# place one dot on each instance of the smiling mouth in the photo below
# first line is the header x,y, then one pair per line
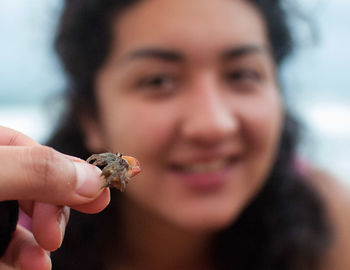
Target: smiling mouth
x,y
203,167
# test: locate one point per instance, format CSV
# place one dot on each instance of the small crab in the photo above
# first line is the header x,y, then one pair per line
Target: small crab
x,y
116,168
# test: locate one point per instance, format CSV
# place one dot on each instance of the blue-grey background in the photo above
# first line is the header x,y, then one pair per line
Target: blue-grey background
x,y
316,78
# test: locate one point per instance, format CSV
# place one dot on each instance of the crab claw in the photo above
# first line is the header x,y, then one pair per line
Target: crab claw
x,y
134,166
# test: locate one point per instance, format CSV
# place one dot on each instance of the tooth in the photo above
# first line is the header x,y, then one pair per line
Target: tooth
x,y
216,165
206,166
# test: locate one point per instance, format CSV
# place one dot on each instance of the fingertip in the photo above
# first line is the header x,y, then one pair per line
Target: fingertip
x,y
96,205
46,225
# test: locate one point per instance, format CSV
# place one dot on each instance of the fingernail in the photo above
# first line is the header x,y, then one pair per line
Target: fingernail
x,y
62,223
63,216
88,178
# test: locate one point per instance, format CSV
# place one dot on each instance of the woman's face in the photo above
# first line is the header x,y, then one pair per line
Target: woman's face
x,y
189,89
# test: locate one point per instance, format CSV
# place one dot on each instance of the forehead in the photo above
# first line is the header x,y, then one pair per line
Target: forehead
x,y
190,25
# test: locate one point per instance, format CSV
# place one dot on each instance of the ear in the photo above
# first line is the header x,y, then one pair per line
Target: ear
x,y
92,134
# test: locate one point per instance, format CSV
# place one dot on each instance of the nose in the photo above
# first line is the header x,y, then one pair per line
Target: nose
x,y
209,115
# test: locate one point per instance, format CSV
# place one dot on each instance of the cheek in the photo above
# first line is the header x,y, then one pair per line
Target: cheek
x,y
262,132
261,129
141,131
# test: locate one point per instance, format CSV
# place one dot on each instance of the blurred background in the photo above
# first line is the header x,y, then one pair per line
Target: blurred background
x,y
316,79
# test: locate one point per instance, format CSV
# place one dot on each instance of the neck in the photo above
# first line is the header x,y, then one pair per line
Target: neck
x,y
150,242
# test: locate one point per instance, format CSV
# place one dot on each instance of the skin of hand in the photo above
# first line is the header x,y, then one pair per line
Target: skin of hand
x,y
46,184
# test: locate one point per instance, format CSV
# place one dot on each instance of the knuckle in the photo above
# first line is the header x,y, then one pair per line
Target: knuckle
x,y
13,139
44,165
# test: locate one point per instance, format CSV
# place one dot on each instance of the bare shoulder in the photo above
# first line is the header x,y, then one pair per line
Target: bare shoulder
x,y
337,201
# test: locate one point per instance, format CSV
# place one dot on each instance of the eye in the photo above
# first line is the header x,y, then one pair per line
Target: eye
x,y
243,75
163,82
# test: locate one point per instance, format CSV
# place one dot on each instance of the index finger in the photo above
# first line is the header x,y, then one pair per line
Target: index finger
x,y
11,137
40,173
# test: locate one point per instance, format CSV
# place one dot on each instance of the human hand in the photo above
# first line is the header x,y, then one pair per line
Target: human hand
x,y
45,183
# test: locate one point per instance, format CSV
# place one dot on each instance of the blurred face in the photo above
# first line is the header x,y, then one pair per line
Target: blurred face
x,y
189,89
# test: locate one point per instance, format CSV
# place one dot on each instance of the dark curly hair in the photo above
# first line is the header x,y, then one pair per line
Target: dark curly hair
x,y
284,227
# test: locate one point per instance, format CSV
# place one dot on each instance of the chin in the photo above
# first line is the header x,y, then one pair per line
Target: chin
x,y
206,221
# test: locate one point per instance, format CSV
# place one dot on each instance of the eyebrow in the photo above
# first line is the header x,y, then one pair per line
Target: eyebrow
x,y
155,53
175,56
241,51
